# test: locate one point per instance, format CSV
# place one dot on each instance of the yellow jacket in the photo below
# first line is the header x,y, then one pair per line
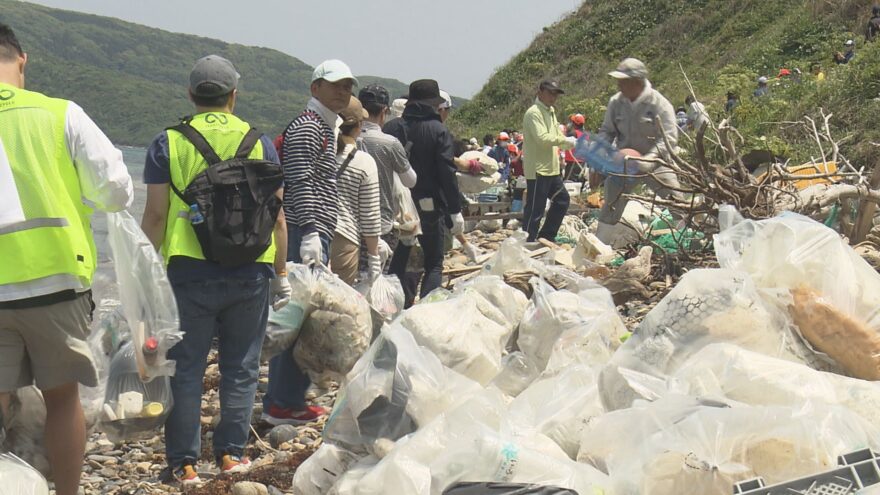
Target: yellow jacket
x,y
541,141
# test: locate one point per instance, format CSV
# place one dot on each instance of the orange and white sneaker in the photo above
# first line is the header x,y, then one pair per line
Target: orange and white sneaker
x,y
186,475
231,464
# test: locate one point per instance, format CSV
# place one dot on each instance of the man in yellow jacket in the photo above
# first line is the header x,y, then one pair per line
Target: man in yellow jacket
x,y
541,144
55,166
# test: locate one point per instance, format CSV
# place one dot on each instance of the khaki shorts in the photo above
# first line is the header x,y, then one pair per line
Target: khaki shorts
x,y
344,259
47,345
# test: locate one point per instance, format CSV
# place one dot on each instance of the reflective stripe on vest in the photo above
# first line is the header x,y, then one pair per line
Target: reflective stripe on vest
x,y
224,131
45,232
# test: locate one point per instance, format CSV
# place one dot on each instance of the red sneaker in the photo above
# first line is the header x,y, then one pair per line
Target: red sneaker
x,y
279,416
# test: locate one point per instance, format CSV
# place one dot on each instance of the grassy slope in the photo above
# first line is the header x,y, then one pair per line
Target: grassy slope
x,y
132,79
721,44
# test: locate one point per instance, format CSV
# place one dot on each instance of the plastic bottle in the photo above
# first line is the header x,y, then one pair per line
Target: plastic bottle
x,y
600,155
151,350
195,216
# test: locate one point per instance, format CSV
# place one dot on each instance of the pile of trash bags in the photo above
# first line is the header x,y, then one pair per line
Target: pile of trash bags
x,y
761,368
18,478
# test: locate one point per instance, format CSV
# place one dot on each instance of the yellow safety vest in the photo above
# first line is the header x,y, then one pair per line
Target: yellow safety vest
x,y
45,235
224,132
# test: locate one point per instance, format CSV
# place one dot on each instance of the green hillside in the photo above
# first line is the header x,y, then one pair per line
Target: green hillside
x,y
132,79
722,45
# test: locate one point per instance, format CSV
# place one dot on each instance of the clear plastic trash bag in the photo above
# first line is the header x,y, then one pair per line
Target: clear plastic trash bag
x,y
385,295
147,298
133,408
394,389
285,324
18,478
337,331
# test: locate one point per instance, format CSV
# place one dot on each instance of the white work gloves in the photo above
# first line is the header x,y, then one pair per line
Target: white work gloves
x,y
472,252
571,142
385,251
457,224
374,266
310,249
280,291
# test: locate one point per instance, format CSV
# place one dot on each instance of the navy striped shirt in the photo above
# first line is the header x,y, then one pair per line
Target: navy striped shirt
x,y
309,161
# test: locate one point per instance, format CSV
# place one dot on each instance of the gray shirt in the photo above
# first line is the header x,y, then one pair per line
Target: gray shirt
x,y
390,159
631,123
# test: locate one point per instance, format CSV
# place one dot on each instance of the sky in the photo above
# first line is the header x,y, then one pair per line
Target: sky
x,y
458,42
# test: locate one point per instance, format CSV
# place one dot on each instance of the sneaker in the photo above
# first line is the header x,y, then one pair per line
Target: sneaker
x,y
230,464
185,475
279,416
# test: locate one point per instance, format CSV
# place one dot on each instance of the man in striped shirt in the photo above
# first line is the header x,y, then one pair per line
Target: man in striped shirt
x,y
311,207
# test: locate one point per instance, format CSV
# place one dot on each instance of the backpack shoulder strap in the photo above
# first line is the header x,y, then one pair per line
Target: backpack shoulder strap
x,y
346,163
247,143
201,144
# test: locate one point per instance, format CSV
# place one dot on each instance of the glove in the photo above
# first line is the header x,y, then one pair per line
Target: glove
x,y
385,251
280,290
571,141
310,249
374,266
457,224
472,252
475,167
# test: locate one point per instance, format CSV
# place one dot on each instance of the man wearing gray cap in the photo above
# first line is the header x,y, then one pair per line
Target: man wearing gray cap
x,y
213,299
630,124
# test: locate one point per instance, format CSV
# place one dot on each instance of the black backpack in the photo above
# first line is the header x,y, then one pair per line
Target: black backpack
x,y
236,201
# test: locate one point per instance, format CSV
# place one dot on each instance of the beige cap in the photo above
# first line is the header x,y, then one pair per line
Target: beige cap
x,y
630,68
354,113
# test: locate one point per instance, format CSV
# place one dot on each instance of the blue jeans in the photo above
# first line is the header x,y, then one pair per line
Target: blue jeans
x,y
235,311
287,382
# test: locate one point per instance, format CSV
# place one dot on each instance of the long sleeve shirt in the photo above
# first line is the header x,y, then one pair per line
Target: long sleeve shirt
x,y
309,163
542,140
630,124
359,214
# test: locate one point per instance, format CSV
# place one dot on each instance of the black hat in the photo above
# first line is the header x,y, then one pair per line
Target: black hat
x,y
425,91
374,94
551,85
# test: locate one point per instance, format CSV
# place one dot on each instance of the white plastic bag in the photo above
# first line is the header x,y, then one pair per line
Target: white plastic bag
x,y
707,306
713,448
18,478
385,295
458,331
406,216
318,474
146,295
517,373
337,331
552,312
511,255
724,370
397,387
284,325
509,301
467,444
559,407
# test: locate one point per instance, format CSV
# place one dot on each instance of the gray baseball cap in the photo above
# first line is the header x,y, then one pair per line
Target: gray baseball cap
x,y
213,76
630,68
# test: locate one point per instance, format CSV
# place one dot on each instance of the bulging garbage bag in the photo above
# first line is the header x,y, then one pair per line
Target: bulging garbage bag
x,y
318,474
707,306
285,324
559,407
511,255
337,331
145,292
18,478
709,451
385,295
466,444
483,488
729,371
461,334
509,301
591,312
132,407
397,387
518,371
830,284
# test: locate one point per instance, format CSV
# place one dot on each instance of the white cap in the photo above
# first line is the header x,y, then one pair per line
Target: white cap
x,y
447,100
762,79
333,71
502,136
630,68
397,107
849,43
